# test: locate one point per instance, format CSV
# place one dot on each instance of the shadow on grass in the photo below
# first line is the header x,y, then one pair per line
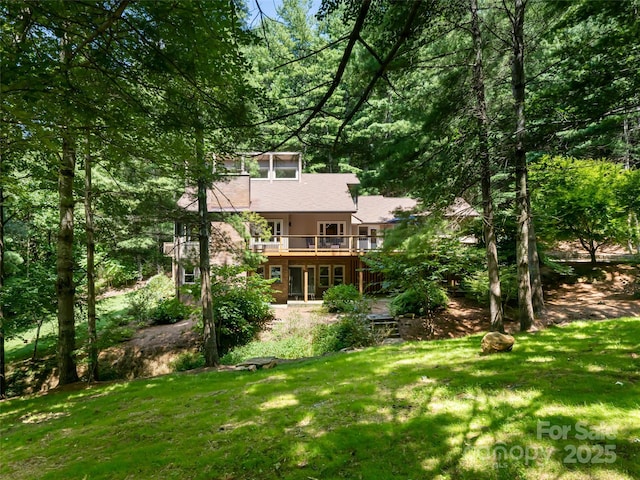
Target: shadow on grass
x,y
417,410
463,415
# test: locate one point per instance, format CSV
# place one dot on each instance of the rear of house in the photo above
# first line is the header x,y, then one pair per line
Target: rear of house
x,y
319,226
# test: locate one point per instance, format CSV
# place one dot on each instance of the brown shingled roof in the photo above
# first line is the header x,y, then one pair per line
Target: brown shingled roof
x,y
379,209
315,192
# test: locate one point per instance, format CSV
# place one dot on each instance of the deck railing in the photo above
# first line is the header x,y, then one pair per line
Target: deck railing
x,y
317,244
290,244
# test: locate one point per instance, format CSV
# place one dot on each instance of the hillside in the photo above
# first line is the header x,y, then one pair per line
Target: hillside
x,y
417,410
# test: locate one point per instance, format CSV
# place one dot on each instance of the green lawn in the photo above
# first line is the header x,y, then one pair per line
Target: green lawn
x,y
565,404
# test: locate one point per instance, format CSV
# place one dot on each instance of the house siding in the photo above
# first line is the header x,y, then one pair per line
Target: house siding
x,y
350,266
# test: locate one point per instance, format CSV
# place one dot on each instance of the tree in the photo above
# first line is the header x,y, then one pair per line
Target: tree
x,y
518,85
417,256
585,98
493,269
580,200
206,99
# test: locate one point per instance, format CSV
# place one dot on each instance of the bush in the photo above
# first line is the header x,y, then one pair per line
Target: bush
x,y
145,300
343,299
351,331
170,311
476,285
419,302
241,313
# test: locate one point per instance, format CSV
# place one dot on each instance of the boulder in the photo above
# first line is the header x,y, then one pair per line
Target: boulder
x,y
497,342
254,364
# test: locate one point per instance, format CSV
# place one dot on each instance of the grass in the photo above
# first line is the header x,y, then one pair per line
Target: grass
x,y
111,313
290,338
413,411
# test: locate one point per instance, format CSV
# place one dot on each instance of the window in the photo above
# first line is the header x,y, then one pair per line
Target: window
x,y
189,274
260,271
285,169
261,172
275,272
275,226
338,274
332,233
190,232
323,276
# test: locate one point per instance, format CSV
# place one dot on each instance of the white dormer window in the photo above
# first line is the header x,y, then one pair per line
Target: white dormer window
x,y
275,166
190,274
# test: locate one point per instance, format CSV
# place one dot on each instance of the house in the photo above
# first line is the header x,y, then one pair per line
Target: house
x,y
319,227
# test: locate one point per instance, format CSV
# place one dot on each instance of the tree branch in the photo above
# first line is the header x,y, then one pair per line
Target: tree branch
x,y
404,35
353,38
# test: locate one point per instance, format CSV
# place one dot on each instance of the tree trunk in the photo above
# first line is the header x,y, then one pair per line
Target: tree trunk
x,y
525,305
634,233
495,294
65,286
34,356
210,344
537,294
91,277
3,383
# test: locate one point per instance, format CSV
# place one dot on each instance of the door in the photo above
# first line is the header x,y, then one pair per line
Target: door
x,y
367,238
276,230
295,282
363,238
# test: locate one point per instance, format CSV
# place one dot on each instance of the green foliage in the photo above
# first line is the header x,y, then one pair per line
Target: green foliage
x,y
476,285
145,300
351,331
168,311
419,302
187,361
240,313
290,347
240,304
579,200
497,397
344,298
417,257
110,273
28,299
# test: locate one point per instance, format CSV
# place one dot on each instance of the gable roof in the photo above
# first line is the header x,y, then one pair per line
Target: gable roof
x,y
380,209
314,192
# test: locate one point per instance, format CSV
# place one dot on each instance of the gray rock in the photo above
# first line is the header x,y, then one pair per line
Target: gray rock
x,y
259,362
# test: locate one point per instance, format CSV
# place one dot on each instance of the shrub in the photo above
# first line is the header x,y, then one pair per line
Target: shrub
x,y
476,285
419,302
351,331
342,299
169,311
292,347
187,361
241,313
145,300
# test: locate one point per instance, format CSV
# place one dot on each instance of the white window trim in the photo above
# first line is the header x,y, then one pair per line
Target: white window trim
x,y
271,267
196,274
320,267
342,227
275,222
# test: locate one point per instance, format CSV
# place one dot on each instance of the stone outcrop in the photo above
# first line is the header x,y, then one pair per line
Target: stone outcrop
x,y
254,364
